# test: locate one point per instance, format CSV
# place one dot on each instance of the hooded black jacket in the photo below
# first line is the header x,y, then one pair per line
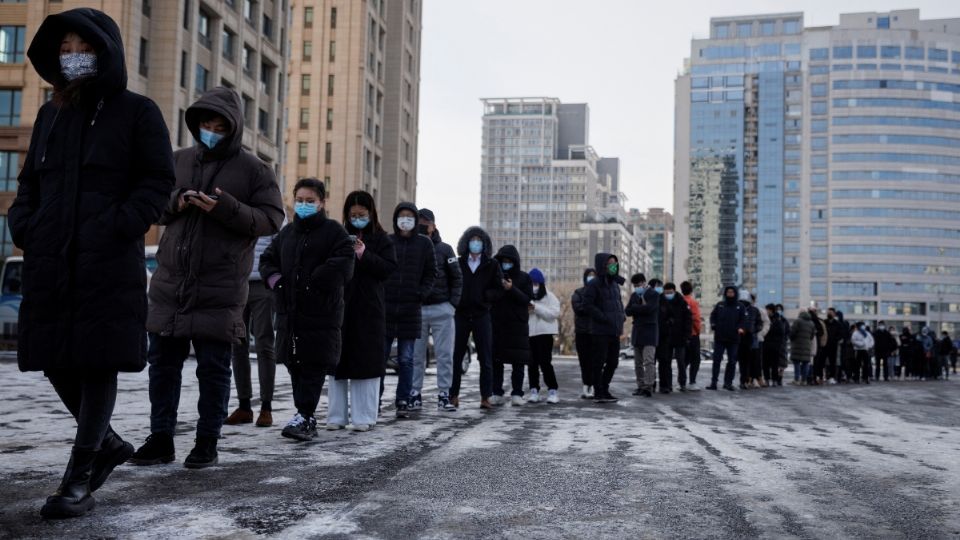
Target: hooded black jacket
x,y
201,284
728,318
675,321
645,311
449,283
95,178
581,319
411,282
480,288
314,257
602,301
510,313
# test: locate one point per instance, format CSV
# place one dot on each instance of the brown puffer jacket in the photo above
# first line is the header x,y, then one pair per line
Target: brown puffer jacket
x,y
200,286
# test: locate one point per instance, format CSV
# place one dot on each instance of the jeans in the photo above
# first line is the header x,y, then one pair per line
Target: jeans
x,y
438,319
606,357
481,328
718,348
541,359
90,398
665,356
166,357
258,316
353,401
404,367
693,357
798,371
307,382
584,350
644,362
944,367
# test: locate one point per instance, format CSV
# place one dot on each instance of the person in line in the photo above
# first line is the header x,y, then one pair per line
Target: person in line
x,y
411,282
692,350
354,388
674,324
835,333
803,335
224,199
772,344
729,323
482,283
907,349
785,348
581,328
944,350
258,317
644,307
886,348
97,173
927,354
511,331
748,348
438,310
820,350
756,366
862,343
544,317
307,265
604,305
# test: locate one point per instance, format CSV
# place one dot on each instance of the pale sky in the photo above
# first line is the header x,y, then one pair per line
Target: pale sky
x,y
620,56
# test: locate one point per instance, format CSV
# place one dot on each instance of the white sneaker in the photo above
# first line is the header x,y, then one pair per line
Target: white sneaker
x,y
552,397
832,381
587,392
360,427
516,401
693,388
534,396
496,400
335,427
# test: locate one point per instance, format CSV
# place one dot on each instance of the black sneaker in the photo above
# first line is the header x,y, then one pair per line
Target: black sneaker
x,y
638,392
646,393
729,387
443,404
203,455
606,397
300,428
416,403
157,449
712,386
403,410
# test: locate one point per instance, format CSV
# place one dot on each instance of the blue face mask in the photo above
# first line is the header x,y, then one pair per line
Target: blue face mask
x,y
209,138
591,278
305,209
669,296
476,247
506,266
659,290
360,223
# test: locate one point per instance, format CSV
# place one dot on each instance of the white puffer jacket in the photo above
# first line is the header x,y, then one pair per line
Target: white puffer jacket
x,y
546,313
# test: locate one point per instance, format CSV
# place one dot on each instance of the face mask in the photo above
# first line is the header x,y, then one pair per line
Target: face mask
x,y
77,65
406,224
536,289
639,290
659,290
613,268
506,266
591,278
422,229
476,246
779,312
305,209
360,223
669,296
881,327
209,138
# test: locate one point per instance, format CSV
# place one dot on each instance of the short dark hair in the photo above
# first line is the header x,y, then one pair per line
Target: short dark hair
x,y
637,279
654,282
779,306
670,286
771,307
311,183
686,288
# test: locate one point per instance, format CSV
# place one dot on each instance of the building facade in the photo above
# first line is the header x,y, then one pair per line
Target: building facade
x,y
175,50
545,190
354,98
820,164
656,224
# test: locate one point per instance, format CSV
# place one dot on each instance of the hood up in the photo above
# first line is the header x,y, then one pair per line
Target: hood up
x,y
225,102
587,272
509,252
396,212
736,294
463,247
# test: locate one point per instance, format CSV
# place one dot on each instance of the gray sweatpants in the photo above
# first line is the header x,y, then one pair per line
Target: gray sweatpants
x,y
258,316
645,366
438,320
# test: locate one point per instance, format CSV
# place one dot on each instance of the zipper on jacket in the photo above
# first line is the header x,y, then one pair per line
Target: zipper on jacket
x,y
97,113
43,158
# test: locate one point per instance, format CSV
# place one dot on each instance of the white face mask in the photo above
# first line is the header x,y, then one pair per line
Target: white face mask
x,y
406,224
536,289
77,65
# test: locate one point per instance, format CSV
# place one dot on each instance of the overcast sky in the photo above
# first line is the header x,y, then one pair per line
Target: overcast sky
x,y
620,56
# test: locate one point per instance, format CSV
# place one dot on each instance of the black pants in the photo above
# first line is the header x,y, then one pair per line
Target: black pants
x,y
307,381
831,361
541,359
745,355
516,378
882,365
819,363
692,352
665,355
861,367
480,327
771,364
606,357
584,350
90,398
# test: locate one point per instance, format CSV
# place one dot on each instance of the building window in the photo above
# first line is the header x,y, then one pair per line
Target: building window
x,y
721,31
333,18
181,129
744,30
12,39
304,118
307,50
200,84
10,107
329,118
267,27
883,22
333,51
302,152
144,7
183,69
250,12
308,17
263,123
203,29
791,27
9,169
247,109
305,84
768,28
248,54
228,43
330,81
143,66
186,14
328,153
266,73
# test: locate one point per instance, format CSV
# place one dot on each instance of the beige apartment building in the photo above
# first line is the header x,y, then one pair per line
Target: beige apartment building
x,y
176,50
354,98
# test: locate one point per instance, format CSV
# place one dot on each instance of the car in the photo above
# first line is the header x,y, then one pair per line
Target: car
x,y
627,353
150,261
706,354
393,365
11,295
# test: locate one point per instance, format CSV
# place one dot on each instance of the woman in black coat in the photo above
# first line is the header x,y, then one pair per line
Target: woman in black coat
x,y
306,266
364,325
96,177
511,334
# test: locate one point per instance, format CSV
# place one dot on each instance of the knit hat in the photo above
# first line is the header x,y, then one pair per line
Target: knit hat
x,y
537,276
427,215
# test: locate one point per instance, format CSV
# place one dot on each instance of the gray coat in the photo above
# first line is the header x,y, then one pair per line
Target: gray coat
x,y
802,332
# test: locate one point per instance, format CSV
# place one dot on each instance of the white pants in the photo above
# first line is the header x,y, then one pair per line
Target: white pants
x,y
363,403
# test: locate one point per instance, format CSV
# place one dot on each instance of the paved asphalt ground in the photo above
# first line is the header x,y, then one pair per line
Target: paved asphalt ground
x,y
877,461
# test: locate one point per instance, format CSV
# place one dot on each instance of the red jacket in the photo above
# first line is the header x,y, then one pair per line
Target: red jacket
x,y
695,311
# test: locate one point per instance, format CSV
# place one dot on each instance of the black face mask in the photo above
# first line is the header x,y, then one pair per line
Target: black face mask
x,y
423,229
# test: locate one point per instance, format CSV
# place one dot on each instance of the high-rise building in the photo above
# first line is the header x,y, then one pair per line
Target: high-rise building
x,y
657,225
175,51
545,190
354,98
820,164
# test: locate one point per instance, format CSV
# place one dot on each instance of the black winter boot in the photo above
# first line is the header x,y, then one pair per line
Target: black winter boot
x,y
72,498
157,449
113,452
203,455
